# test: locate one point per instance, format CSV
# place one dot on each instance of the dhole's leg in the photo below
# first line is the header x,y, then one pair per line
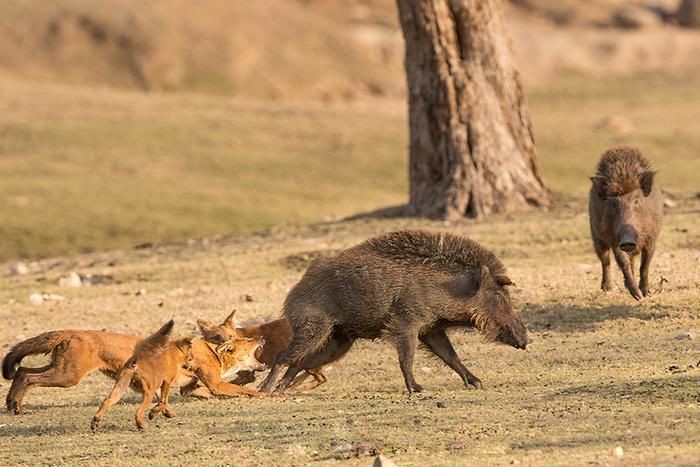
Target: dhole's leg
x,y
162,405
147,398
440,345
218,387
64,375
406,344
319,379
623,260
193,389
603,253
120,387
19,388
647,254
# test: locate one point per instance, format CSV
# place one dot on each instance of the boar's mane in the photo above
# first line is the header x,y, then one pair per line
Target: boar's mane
x,y
436,249
619,170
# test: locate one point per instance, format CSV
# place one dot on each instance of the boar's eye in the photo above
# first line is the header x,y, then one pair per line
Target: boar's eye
x,y
636,203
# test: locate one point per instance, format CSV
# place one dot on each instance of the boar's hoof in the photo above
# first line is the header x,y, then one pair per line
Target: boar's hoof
x,y
634,290
477,384
605,286
417,387
645,289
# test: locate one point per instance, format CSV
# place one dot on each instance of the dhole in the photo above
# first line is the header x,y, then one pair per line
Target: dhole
x,y
155,364
276,335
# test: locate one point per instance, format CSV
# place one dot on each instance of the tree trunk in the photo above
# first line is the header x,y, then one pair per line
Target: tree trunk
x,y
472,151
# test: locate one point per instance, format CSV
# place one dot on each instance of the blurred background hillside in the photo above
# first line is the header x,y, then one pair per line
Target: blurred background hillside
x,y
127,122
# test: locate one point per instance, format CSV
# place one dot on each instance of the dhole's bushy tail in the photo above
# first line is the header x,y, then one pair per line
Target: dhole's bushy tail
x,y
41,344
156,340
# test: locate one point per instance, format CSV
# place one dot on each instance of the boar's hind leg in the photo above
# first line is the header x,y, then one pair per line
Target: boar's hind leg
x,y
440,345
603,253
406,344
307,339
647,253
623,260
335,348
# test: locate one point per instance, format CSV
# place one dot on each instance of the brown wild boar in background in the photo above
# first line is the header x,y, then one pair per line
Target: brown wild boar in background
x,y
407,287
626,210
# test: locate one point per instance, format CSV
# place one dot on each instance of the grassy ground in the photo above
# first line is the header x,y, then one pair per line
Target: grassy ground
x,y
87,169
603,370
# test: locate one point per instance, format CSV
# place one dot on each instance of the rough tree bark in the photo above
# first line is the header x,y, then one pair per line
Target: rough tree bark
x,y
472,151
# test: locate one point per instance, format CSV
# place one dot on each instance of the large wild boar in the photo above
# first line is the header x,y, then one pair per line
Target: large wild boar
x,y
625,210
407,287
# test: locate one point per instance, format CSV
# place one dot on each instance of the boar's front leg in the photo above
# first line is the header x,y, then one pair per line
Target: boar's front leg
x,y
647,253
623,260
440,345
603,253
406,344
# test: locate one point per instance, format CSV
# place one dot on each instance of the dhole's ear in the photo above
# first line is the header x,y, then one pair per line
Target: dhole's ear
x,y
228,322
503,280
646,181
599,186
204,326
167,328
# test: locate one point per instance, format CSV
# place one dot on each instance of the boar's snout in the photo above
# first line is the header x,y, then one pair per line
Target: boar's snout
x,y
627,238
515,336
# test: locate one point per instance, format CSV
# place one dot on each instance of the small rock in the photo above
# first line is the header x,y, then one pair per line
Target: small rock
x,y
514,462
36,298
690,335
636,17
20,337
383,461
669,203
441,405
19,269
248,297
71,280
140,292
618,452
617,124
50,297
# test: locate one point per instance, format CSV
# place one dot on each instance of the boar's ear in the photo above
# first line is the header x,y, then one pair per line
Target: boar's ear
x,y
599,186
485,277
204,326
228,322
503,280
646,181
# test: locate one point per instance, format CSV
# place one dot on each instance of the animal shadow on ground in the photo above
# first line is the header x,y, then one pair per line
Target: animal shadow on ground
x,y
576,318
680,388
389,212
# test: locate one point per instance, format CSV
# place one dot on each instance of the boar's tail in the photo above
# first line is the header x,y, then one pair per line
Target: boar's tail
x,y
308,340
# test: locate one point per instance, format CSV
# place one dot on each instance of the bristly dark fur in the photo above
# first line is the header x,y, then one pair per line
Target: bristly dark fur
x,y
619,170
438,249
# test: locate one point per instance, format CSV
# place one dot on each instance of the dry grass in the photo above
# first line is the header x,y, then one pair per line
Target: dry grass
x,y
603,371
88,169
